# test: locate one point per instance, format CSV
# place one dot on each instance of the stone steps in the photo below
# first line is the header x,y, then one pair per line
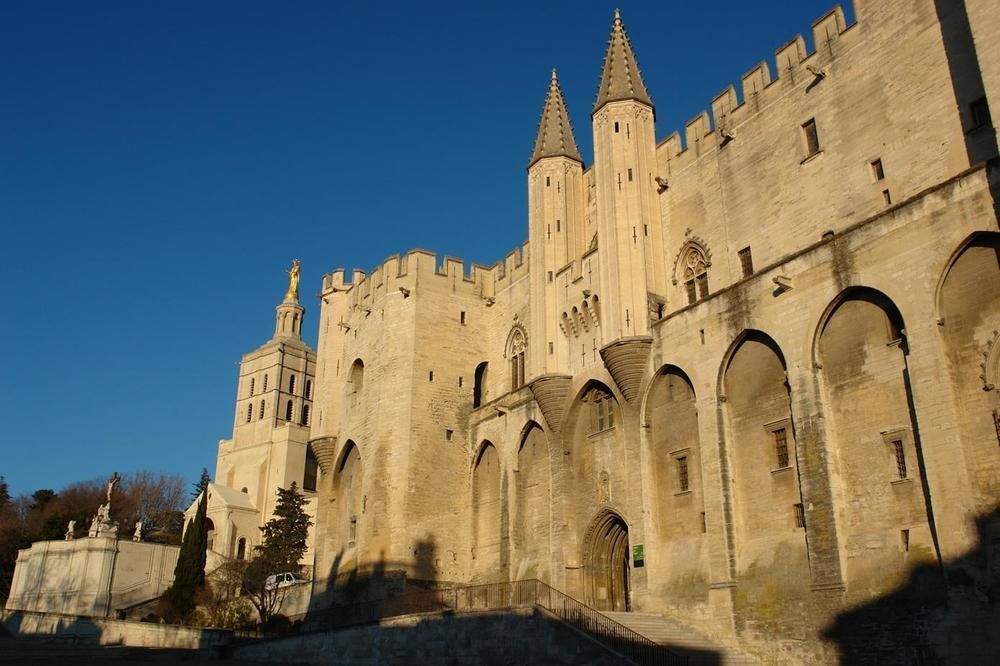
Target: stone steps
x,y
700,649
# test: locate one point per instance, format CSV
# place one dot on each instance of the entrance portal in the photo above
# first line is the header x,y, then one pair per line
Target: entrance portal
x,y
607,566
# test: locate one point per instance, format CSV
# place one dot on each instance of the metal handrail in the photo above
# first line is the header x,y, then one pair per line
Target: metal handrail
x,y
504,596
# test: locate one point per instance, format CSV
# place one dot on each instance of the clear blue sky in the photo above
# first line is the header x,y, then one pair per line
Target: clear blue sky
x,y
161,163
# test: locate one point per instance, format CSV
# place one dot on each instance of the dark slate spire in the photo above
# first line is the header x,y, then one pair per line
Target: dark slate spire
x,y
555,134
621,78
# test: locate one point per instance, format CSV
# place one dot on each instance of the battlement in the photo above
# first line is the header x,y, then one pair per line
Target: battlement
x,y
406,272
710,129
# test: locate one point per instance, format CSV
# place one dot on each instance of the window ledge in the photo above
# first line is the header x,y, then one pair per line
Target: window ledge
x,y
598,433
781,470
898,482
810,158
682,493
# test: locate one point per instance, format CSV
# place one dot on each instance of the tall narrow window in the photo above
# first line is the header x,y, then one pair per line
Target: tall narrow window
x,y
781,447
309,389
251,386
288,410
241,549
811,137
800,515
304,417
291,384
900,455
746,262
682,474
265,384
878,171
979,110
515,352
695,274
479,385
604,414
249,411
260,414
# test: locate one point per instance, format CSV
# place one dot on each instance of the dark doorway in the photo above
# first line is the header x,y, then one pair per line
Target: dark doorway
x,y
607,569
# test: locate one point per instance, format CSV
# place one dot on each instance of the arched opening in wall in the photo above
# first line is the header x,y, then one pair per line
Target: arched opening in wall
x,y
210,534
311,472
770,518
356,381
486,515
350,499
241,548
288,410
291,384
862,353
969,310
304,420
309,390
532,509
606,563
479,387
671,414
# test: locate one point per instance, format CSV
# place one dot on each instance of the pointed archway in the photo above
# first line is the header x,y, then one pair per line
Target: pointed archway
x,y
607,567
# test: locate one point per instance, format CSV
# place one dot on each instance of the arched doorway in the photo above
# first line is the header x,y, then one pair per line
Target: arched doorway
x,y
607,566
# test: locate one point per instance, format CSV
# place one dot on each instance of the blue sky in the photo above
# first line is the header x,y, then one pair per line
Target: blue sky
x,y
161,163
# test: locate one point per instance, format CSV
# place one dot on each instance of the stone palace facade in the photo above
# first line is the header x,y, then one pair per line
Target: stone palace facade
x,y
746,375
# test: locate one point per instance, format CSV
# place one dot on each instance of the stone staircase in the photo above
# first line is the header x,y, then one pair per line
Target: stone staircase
x,y
682,639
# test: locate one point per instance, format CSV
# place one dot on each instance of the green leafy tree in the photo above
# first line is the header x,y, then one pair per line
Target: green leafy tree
x,y
189,574
284,543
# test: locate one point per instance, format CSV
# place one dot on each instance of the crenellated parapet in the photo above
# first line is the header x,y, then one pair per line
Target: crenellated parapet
x,y
711,129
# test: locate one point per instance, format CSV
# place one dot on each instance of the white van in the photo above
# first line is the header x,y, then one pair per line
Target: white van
x,y
278,581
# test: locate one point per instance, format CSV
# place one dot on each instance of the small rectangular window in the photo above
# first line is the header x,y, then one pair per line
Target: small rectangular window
x,y
630,175
558,225
781,447
887,197
616,127
461,318
979,110
548,181
682,474
353,532
904,540
551,348
899,453
460,382
746,262
550,276
878,171
448,433
704,523
811,137
800,516
430,376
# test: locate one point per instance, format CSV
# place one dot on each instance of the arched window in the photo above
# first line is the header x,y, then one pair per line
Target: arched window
x,y
241,548
304,416
517,347
479,388
252,380
356,378
288,410
695,274
260,414
311,472
291,384
249,411
265,384
309,389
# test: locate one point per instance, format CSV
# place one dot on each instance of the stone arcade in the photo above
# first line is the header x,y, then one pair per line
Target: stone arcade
x,y
745,376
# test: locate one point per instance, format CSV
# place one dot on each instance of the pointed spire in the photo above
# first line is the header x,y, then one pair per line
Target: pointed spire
x,y
555,133
621,78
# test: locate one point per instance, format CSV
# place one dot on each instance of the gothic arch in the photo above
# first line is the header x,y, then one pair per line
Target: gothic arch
x,y
979,238
486,514
516,331
894,319
606,561
750,334
532,505
692,243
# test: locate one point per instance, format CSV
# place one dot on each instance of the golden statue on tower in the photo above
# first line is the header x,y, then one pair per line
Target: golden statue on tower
x,y
293,281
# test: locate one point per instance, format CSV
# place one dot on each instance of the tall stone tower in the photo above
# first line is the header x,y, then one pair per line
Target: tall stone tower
x,y
270,432
555,223
628,228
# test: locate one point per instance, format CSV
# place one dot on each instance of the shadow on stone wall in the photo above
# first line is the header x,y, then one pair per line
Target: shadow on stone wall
x,y
941,615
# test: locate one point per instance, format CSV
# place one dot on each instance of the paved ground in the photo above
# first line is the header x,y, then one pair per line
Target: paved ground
x,y
35,652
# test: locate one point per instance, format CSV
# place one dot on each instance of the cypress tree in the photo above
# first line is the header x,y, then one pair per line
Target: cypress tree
x,y
189,574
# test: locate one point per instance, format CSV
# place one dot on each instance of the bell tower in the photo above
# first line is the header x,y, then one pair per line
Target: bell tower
x,y
628,229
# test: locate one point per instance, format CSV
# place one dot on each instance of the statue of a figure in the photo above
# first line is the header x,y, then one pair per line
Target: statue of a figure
x,y
293,281
112,484
70,529
137,536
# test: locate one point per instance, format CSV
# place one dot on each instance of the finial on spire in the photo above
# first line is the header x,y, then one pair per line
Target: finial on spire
x,y
554,74
618,14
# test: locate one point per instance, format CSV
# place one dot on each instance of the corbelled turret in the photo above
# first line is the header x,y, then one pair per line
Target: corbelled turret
x,y
555,133
621,78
